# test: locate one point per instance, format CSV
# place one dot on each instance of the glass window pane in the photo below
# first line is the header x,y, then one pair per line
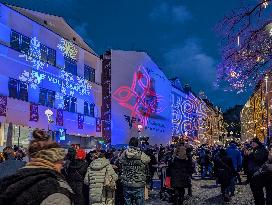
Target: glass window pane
x,y
43,53
42,97
92,75
50,98
66,103
73,104
13,88
15,40
25,44
92,110
51,58
23,92
86,108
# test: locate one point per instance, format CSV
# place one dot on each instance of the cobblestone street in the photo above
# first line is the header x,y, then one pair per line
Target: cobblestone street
x,y
205,192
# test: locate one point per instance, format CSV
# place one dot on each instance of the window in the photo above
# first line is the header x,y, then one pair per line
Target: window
x,y
89,109
48,55
19,42
89,73
18,89
70,65
47,97
70,104
86,108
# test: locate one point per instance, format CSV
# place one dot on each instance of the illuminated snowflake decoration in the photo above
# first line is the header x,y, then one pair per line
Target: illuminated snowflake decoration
x,y
34,54
66,76
78,84
32,78
68,48
84,87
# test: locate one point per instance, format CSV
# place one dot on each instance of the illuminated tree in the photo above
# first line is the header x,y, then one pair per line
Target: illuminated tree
x,y
246,45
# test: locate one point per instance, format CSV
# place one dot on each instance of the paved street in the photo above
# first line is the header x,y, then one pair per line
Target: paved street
x,y
205,192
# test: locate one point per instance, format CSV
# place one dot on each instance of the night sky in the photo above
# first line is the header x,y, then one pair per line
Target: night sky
x,y
178,35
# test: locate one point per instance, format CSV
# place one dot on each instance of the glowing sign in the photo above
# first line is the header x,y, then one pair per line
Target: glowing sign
x,y
141,99
34,54
68,48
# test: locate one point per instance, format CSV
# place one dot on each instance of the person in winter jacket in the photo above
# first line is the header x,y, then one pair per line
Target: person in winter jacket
x,y
181,170
40,181
10,165
225,173
257,157
134,170
75,174
99,174
234,153
263,179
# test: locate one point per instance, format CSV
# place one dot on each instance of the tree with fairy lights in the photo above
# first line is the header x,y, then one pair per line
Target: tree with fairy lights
x,y
246,45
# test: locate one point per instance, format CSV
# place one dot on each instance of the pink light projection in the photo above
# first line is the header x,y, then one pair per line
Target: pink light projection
x,y
141,98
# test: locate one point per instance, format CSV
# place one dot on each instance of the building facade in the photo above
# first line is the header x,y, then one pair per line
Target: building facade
x,y
254,119
45,64
136,98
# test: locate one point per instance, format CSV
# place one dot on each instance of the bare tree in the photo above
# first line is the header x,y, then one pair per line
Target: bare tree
x,y
246,44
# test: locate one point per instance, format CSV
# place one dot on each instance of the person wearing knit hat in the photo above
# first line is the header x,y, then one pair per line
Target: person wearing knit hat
x,y
40,182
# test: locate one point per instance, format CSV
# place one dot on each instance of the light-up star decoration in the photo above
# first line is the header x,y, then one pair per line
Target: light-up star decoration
x,y
141,99
68,49
184,117
34,54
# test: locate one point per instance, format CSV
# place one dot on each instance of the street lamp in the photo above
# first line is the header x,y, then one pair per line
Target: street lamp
x,y
49,114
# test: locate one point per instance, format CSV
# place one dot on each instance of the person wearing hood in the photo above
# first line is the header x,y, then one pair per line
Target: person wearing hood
x,y
263,179
134,168
75,174
10,165
40,182
181,170
101,179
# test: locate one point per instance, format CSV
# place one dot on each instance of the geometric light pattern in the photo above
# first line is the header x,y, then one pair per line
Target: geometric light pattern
x,y
184,117
140,98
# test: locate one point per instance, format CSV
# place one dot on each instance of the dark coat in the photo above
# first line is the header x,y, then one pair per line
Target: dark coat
x,y
10,166
32,186
74,175
256,159
181,171
224,170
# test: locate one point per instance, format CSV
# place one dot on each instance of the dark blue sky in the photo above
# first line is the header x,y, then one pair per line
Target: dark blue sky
x,y
177,34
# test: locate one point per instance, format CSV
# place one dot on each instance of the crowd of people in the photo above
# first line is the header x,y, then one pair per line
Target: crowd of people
x,y
51,175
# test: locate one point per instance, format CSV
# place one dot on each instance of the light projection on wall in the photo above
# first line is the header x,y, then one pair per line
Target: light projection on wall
x,y
67,48
141,98
184,117
34,54
69,83
32,78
